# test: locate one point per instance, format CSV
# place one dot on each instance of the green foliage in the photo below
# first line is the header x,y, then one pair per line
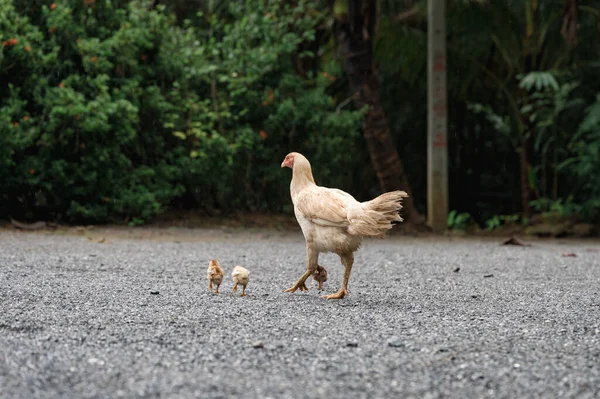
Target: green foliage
x,y
552,107
118,110
113,111
458,221
565,208
493,223
538,81
512,80
584,164
497,221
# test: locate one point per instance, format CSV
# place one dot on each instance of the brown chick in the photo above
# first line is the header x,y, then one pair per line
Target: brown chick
x,y
214,274
320,276
240,276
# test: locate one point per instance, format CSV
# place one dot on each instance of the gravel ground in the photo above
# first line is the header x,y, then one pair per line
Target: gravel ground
x,y
83,319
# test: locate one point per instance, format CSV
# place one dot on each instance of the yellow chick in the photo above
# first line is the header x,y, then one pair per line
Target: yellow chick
x,y
240,276
214,274
320,276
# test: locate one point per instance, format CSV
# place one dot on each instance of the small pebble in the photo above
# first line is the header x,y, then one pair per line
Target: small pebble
x,y
395,343
488,275
154,292
352,344
258,344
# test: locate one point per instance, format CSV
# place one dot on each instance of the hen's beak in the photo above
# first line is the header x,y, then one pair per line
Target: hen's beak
x,y
283,164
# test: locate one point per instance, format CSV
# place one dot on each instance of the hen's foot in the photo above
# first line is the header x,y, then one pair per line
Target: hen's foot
x,y
338,295
301,285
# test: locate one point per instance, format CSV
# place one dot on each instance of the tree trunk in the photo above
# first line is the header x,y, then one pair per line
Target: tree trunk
x,y
526,151
179,11
525,167
354,31
531,62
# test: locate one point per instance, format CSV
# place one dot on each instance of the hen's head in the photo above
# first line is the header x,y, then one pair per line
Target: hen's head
x,y
295,159
289,160
299,164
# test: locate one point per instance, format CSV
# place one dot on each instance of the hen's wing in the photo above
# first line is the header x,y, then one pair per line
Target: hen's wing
x,y
325,206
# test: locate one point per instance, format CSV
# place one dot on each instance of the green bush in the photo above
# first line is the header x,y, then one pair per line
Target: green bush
x,y
583,167
111,111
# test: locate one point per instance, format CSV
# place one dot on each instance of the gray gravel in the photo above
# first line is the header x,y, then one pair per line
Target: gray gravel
x,y
79,319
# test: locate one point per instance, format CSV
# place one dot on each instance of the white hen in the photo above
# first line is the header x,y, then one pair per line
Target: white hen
x,y
334,221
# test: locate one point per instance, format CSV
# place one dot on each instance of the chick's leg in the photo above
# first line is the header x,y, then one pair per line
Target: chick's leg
x,y
312,258
235,287
243,290
217,291
347,261
210,285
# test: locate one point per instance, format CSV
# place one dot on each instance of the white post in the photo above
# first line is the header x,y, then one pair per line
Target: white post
x,y
437,145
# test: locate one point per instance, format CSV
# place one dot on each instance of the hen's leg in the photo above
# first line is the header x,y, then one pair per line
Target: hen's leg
x,y
347,261
312,258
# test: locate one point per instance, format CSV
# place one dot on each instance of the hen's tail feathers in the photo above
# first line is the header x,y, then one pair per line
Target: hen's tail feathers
x,y
374,218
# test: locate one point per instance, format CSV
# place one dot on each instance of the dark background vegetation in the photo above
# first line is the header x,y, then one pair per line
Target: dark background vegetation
x,y
119,111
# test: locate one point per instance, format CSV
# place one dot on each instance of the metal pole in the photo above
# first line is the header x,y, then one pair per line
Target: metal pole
x,y
437,146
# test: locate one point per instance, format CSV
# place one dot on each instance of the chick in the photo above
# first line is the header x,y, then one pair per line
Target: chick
x,y
240,276
214,274
320,276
